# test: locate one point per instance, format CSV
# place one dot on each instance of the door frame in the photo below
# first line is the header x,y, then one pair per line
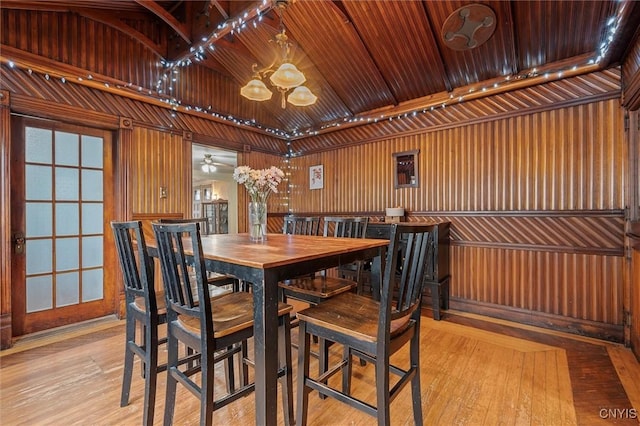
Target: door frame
x,y
5,220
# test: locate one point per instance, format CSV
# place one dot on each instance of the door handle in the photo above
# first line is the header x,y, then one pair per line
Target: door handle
x,y
18,243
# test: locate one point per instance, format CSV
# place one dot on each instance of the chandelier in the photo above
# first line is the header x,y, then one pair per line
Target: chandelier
x,y
284,79
207,165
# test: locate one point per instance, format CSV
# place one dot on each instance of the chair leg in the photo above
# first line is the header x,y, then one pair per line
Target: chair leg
x,y
151,374
229,372
414,356
435,300
128,360
346,370
323,360
143,345
206,390
303,373
172,364
445,295
244,368
382,390
286,381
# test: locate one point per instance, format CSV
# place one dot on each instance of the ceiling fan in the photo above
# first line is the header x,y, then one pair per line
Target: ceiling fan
x,y
207,165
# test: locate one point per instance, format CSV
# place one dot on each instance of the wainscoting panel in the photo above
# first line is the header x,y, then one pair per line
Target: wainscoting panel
x,y
586,287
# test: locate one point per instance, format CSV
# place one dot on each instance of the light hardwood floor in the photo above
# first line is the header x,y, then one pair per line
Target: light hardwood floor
x,y
474,371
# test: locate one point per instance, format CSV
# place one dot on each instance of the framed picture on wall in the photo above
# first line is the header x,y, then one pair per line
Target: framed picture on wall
x,y
316,177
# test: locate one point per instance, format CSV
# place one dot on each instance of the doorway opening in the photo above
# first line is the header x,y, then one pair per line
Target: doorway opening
x,y
214,190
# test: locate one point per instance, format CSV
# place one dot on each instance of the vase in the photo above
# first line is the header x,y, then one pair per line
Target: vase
x,y
257,221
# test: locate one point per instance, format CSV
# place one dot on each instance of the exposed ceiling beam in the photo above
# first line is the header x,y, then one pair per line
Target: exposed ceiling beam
x,y
168,18
218,6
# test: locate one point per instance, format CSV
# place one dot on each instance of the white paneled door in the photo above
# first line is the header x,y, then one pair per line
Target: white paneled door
x,y
61,207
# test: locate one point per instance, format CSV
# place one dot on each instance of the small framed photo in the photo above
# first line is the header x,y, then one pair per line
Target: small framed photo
x,y
316,177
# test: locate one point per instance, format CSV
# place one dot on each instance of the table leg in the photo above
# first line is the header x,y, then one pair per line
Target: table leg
x,y
265,299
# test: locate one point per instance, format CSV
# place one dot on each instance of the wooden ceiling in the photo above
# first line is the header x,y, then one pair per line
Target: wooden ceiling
x,y
369,59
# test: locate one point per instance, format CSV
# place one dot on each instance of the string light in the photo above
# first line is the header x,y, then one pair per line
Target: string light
x,y
197,53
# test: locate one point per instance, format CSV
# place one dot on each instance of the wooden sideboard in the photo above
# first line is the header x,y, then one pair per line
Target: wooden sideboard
x,y
437,273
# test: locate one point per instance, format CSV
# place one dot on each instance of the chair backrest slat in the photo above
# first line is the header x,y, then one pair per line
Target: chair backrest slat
x,y
176,267
301,225
346,227
409,248
202,221
136,265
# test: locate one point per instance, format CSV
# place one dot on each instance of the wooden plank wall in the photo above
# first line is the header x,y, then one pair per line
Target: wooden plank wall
x,y
88,44
536,204
158,159
277,204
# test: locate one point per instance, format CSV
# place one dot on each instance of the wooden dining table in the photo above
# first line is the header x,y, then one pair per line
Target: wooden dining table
x,y
263,264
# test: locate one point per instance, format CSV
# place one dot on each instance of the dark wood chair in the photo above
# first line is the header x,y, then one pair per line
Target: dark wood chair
x,y
202,221
348,227
373,330
301,225
320,287
219,280
217,328
145,307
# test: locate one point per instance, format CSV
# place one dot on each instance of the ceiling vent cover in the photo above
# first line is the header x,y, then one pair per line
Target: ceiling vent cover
x,y
469,27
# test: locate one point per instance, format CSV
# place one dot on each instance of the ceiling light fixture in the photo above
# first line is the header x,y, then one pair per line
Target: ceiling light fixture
x,y
206,165
285,78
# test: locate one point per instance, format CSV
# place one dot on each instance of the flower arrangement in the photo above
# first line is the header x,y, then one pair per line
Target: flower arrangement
x,y
259,183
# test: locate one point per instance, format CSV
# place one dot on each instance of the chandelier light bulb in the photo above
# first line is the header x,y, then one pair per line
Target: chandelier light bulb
x,y
256,90
287,76
302,96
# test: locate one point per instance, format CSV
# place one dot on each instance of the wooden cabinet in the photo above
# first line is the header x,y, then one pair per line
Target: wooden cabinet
x,y
217,215
437,273
201,194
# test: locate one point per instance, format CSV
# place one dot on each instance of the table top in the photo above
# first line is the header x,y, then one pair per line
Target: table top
x,y
279,249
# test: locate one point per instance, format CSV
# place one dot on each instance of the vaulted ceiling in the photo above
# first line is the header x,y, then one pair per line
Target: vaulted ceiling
x,y
372,59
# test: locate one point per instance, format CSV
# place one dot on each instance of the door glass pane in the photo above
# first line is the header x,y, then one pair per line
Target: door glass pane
x,y
67,219
92,218
92,284
67,289
91,152
39,256
39,293
67,254
67,184
37,145
91,185
37,182
39,220
66,149
91,252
